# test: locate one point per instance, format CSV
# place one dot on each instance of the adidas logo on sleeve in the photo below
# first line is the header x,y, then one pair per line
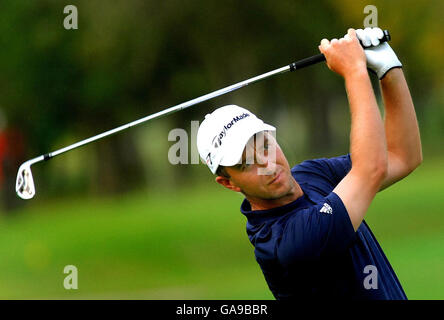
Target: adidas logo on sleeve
x,y
326,209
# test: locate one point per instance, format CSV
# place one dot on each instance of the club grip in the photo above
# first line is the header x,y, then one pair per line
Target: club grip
x,y
320,57
307,62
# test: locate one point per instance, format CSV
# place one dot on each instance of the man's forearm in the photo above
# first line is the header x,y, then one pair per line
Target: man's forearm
x,y
368,149
401,125
367,139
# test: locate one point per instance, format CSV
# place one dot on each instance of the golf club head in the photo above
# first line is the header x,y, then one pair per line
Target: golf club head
x,y
24,185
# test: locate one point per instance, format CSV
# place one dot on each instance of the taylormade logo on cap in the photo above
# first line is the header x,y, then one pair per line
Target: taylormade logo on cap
x,y
217,140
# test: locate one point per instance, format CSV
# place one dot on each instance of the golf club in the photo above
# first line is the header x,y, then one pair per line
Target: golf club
x,y
25,184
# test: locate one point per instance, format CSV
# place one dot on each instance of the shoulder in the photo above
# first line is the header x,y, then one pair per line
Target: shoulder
x,y
331,169
322,229
321,164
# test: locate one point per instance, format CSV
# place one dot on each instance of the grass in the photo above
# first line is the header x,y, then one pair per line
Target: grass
x,y
192,244
188,245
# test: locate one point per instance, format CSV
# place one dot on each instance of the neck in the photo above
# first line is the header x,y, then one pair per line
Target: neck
x,y
266,204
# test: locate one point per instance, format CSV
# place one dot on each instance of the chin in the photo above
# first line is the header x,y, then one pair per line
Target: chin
x,y
280,193
283,190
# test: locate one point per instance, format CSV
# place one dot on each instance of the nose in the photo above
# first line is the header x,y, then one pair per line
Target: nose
x,y
266,163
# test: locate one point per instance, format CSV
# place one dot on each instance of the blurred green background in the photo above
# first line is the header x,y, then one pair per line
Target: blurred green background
x,y
138,227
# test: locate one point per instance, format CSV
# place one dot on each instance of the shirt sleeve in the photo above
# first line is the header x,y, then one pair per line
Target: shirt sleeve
x,y
324,229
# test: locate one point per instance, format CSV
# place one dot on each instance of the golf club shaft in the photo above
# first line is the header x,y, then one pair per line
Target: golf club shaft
x,y
291,67
170,110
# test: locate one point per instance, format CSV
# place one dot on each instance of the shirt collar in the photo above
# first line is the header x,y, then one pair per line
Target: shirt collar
x,y
257,216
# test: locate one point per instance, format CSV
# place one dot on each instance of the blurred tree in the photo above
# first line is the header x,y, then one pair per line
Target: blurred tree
x,y
130,58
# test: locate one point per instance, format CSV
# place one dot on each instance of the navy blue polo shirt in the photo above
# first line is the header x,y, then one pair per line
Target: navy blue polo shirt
x,y
308,249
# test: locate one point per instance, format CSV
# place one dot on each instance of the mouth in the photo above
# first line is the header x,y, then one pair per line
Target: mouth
x,y
276,178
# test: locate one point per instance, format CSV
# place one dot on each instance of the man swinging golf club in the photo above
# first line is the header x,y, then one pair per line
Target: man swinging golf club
x,y
306,222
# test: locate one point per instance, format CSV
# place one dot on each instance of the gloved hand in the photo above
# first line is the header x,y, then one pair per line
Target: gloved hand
x,y
380,57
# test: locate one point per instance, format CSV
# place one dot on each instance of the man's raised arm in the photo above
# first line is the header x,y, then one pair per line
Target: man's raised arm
x,y
401,126
367,137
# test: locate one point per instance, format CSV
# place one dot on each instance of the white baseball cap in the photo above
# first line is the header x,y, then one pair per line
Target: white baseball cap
x,y
224,133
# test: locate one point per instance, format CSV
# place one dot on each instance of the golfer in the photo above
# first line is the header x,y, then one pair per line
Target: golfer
x,y
306,223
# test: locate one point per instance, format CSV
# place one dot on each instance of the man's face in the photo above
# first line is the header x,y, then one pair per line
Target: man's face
x,y
264,173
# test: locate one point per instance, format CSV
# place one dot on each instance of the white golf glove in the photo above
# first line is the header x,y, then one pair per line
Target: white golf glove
x,y
380,57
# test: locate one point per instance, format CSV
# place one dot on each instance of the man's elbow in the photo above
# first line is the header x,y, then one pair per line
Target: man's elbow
x,y
418,160
374,172
409,163
414,162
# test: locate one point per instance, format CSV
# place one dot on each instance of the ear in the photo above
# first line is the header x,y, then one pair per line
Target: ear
x,y
227,183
